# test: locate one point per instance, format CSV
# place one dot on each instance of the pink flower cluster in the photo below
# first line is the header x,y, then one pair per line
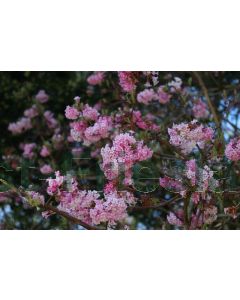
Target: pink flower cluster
x,y
127,81
96,78
28,150
172,185
42,97
36,119
200,110
84,129
201,180
187,136
45,152
88,206
50,120
232,150
191,169
176,84
123,154
55,184
144,123
46,169
20,126
148,95
71,113
32,112
208,216
25,123
35,199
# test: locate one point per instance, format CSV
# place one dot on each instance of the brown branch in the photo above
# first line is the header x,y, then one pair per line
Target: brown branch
x,y
165,203
15,191
205,92
68,216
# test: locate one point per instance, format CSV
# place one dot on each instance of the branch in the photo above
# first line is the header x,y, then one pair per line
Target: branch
x,y
46,206
205,92
68,216
165,203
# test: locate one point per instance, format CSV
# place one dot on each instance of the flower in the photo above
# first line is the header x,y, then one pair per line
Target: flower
x,y
127,81
42,97
77,99
46,169
191,171
98,131
32,112
176,84
20,126
71,113
35,199
54,184
28,150
51,121
200,110
162,96
146,96
187,136
174,220
172,184
96,78
232,150
124,153
90,113
44,151
145,124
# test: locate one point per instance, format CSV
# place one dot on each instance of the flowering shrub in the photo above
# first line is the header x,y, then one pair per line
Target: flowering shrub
x,y
132,150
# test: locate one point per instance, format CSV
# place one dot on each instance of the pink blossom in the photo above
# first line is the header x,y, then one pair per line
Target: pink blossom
x,y
110,187
127,81
44,151
172,184
174,220
28,150
96,78
90,113
207,175
162,96
200,110
112,210
54,184
35,199
32,112
146,96
191,171
42,97
176,84
195,197
232,150
188,135
125,152
20,126
77,99
71,113
98,131
145,124
51,121
46,169
76,152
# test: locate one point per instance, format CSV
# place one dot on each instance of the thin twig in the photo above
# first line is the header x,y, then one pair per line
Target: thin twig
x,y
205,92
